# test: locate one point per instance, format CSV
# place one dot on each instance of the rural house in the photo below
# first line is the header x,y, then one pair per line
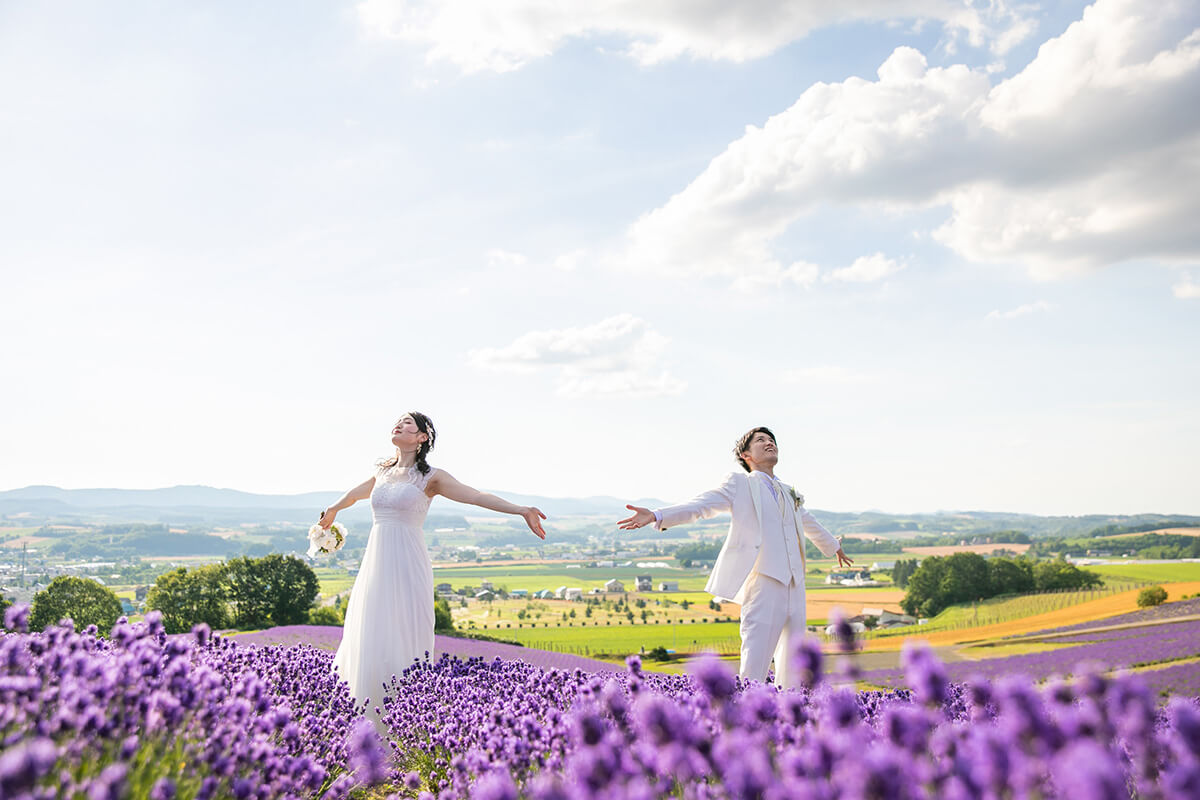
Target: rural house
x,y
614,585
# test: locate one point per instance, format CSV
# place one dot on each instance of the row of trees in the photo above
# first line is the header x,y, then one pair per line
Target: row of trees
x,y
940,582
245,593
1150,545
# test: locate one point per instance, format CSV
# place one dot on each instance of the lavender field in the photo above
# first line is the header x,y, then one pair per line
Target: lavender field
x,y
327,637
1108,650
139,714
1166,611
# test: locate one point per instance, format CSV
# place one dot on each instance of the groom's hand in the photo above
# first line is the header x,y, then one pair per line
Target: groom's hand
x,y
641,517
843,559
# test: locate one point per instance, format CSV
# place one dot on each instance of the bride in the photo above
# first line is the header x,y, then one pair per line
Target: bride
x,y
389,619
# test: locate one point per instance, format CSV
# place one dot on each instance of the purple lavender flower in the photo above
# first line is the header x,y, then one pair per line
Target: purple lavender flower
x,y
807,661
925,674
368,759
714,677
163,789
496,785
16,617
22,766
1087,771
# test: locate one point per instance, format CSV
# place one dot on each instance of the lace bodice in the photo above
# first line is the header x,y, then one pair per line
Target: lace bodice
x,y
399,495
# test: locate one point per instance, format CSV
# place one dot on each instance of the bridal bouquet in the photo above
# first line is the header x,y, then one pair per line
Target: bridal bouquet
x,y
326,540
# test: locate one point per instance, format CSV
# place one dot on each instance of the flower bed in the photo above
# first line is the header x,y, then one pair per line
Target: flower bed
x,y
1106,650
143,715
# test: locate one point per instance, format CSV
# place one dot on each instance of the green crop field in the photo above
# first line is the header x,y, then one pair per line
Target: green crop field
x,y
333,580
533,577
1167,572
626,639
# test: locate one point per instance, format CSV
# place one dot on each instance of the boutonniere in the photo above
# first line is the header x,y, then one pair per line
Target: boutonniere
x,y
797,498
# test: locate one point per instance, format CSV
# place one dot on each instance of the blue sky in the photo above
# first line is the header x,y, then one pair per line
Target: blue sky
x,y
947,252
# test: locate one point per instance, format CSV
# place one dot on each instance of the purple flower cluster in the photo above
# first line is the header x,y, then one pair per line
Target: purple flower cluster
x,y
328,637
502,730
145,714
1180,608
1108,650
141,714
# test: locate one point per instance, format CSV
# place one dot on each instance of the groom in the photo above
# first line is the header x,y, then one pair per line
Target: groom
x,y
761,565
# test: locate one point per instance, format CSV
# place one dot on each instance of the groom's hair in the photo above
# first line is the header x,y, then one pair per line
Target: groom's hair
x,y
743,444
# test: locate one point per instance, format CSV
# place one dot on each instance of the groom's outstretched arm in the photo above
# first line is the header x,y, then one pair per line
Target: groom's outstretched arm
x,y
702,506
825,541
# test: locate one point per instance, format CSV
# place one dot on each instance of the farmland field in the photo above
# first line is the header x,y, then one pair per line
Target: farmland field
x,y
1100,608
625,639
1161,531
1149,572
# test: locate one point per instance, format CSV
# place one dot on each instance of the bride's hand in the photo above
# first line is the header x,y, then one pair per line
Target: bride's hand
x,y
533,518
327,518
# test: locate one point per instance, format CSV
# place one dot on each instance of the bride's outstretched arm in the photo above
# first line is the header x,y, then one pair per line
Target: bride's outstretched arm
x,y
447,486
360,492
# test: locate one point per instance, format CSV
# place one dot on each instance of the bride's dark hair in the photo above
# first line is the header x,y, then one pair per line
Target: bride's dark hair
x,y
425,426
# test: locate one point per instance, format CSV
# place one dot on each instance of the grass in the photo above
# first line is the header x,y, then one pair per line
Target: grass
x,y
622,639
333,580
1149,573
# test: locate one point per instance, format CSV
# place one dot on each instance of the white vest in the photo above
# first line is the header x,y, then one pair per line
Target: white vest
x,y
780,556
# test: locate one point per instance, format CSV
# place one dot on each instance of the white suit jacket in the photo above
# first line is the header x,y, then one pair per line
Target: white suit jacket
x,y
743,498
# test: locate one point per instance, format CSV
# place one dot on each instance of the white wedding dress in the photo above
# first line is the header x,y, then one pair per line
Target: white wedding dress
x,y
389,619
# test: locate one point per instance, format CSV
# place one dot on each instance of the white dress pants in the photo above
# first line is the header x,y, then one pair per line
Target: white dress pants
x,y
773,621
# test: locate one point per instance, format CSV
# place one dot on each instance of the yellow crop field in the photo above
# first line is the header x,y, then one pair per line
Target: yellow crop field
x,y
820,605
1100,608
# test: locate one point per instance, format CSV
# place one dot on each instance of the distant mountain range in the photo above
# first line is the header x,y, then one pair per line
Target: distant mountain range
x,y
185,504
200,505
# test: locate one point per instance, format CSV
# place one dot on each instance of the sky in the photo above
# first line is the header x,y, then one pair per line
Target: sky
x,y
947,251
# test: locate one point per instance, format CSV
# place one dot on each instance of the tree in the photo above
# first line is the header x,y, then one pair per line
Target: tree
x,y
443,622
187,598
273,590
966,579
246,587
1061,574
903,570
1151,596
922,596
83,600
1009,576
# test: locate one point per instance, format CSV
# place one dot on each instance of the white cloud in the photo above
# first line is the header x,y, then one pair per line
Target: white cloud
x,y
1087,157
569,262
866,269
1021,311
618,355
1186,289
500,259
502,35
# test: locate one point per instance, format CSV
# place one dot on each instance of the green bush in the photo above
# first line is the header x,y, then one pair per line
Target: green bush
x,y
83,600
1151,596
324,615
